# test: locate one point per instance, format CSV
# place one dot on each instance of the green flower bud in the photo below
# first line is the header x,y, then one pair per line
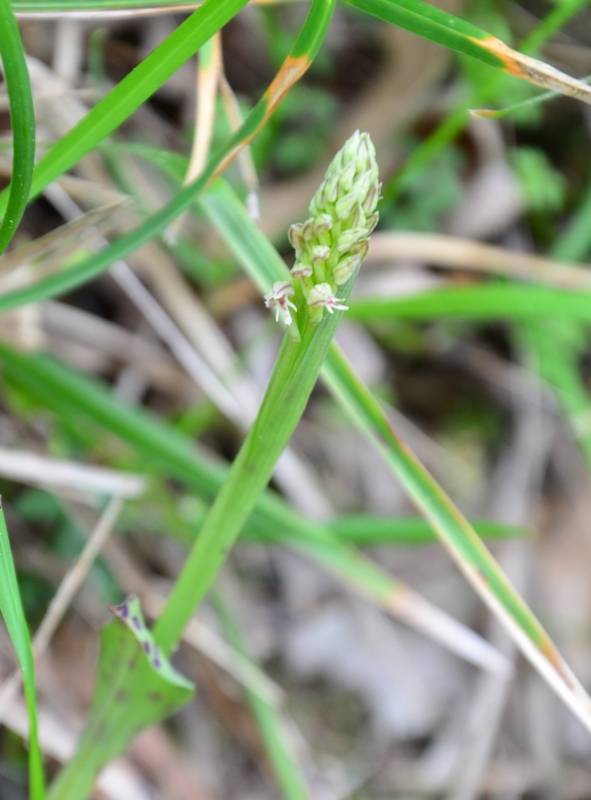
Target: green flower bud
x,y
371,222
332,243
308,231
322,223
347,177
295,236
319,253
300,271
348,238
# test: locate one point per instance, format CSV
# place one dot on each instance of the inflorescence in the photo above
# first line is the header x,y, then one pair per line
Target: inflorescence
x,y
331,245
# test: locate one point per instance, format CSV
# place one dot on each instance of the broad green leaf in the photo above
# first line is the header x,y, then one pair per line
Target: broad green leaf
x,y
22,117
14,617
457,34
482,301
136,686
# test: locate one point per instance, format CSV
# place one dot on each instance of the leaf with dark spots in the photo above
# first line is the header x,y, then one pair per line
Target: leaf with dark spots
x,y
136,687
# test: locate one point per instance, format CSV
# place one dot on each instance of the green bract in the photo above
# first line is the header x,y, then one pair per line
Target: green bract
x,y
333,242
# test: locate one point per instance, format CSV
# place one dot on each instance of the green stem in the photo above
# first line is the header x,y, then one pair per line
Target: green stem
x,y
292,381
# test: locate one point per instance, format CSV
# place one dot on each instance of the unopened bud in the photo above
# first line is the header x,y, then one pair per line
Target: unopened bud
x,y
322,223
345,268
319,253
349,238
308,229
371,222
295,236
301,270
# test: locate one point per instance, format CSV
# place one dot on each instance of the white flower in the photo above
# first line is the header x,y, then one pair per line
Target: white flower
x,y
278,298
322,296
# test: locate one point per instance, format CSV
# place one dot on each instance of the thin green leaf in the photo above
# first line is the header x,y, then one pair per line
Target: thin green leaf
x,y
14,617
294,66
22,117
26,7
366,530
481,302
457,34
453,529
136,687
167,452
132,91
455,532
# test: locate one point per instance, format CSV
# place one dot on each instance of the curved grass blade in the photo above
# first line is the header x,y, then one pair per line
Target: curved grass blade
x,y
294,66
453,529
455,122
131,92
455,532
14,617
481,302
457,34
500,113
22,117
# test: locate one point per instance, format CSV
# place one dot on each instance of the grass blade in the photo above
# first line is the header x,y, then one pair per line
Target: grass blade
x,y
457,34
22,117
294,66
453,529
132,91
165,451
481,302
14,617
371,530
472,557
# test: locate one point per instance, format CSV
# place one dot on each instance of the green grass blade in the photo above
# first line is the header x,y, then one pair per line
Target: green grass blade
x,y
484,301
455,532
453,529
295,65
132,91
22,117
167,452
366,530
72,6
457,34
552,22
14,617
